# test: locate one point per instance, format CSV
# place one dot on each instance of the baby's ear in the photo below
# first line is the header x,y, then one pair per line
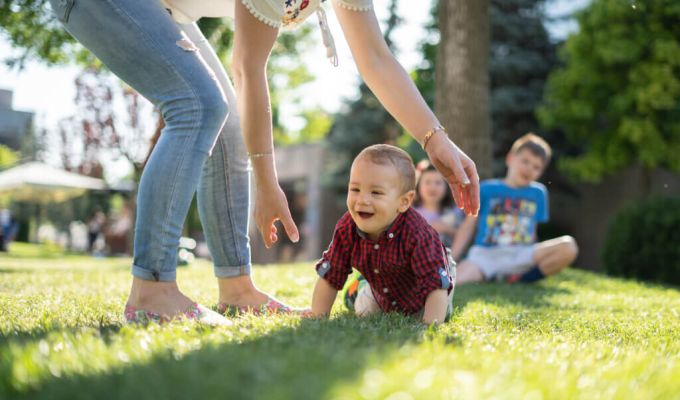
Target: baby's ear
x,y
406,200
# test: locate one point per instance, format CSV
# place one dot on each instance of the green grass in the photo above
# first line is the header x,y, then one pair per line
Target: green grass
x,y
576,336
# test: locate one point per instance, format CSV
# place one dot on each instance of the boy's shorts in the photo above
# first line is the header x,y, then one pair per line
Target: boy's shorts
x,y
495,261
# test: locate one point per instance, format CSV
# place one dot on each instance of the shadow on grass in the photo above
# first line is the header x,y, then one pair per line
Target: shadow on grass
x,y
22,337
12,271
502,294
305,361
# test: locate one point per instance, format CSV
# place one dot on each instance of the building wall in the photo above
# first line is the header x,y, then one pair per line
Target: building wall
x,y
14,125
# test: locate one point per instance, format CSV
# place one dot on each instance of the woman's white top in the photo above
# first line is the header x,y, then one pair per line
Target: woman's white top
x,y
275,13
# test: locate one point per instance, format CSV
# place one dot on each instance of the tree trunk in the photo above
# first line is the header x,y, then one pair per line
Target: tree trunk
x,y
462,78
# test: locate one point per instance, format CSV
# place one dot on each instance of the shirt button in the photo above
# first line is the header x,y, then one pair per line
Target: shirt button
x,y
376,271
391,235
376,246
385,290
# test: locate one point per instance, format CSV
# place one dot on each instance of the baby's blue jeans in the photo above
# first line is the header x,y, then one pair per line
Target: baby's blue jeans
x,y
201,147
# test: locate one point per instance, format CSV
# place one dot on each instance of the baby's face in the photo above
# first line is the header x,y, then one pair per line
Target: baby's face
x,y
374,196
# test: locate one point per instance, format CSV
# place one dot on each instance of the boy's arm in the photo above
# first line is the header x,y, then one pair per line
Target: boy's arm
x,y
323,298
435,306
444,228
462,238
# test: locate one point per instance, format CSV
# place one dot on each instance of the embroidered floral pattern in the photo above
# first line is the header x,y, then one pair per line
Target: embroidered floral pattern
x,y
136,316
270,307
296,11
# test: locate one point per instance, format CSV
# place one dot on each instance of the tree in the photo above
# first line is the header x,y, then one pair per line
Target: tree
x,y
618,93
521,58
462,91
110,123
521,55
35,34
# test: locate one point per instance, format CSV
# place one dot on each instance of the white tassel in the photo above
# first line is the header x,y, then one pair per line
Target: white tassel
x,y
328,41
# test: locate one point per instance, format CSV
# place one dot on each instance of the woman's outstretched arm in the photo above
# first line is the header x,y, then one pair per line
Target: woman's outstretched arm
x,y
253,41
396,91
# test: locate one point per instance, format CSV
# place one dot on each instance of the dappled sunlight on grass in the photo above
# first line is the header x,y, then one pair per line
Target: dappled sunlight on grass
x,y
29,250
580,335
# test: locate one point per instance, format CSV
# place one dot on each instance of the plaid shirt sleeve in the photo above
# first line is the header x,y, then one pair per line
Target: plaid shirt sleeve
x,y
430,263
334,265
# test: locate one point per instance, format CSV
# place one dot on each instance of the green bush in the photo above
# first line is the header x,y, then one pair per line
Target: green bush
x,y
643,242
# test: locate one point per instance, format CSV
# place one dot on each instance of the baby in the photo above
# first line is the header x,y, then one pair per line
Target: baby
x,y
403,262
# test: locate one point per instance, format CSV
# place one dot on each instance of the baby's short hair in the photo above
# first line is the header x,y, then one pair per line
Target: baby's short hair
x,y
535,144
385,154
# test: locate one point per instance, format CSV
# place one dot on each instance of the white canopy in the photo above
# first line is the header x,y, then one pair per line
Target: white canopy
x,y
41,183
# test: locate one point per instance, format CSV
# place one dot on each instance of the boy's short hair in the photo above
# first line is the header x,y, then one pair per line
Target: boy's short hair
x,y
535,144
385,154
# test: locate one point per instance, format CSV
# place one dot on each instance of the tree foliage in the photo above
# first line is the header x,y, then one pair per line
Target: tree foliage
x,y
363,122
110,123
8,157
34,33
642,241
522,55
619,91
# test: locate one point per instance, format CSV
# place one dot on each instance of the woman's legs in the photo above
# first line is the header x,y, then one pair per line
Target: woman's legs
x,y
224,196
141,44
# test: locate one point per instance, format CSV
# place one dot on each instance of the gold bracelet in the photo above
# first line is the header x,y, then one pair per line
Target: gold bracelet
x,y
260,155
431,132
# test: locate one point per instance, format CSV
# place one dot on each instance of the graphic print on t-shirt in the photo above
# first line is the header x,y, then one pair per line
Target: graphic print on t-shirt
x,y
510,222
508,215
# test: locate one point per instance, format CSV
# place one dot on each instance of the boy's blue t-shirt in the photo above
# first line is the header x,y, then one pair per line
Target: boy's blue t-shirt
x,y
509,216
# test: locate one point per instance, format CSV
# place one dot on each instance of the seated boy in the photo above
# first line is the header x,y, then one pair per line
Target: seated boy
x,y
400,256
505,245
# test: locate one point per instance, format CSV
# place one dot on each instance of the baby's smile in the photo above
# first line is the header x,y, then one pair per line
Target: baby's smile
x,y
364,214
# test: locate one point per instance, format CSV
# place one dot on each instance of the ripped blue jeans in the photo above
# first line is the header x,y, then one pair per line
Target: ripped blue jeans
x,y
201,147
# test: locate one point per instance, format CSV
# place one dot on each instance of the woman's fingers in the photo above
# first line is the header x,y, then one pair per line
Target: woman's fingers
x,y
471,190
458,179
269,231
459,171
457,195
266,235
473,194
290,227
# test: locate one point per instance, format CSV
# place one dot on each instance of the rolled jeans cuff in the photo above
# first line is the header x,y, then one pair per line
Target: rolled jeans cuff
x,y
151,275
232,271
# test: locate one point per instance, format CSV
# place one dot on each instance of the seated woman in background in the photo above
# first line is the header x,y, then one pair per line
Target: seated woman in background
x,y
434,202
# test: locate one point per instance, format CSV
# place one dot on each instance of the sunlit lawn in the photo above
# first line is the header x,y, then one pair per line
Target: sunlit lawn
x,y
577,336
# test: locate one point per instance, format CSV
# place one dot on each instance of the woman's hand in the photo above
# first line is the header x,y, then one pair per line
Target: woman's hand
x,y
458,170
271,206
397,92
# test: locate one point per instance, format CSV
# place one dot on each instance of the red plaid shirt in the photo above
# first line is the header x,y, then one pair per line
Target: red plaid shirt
x,y
406,263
